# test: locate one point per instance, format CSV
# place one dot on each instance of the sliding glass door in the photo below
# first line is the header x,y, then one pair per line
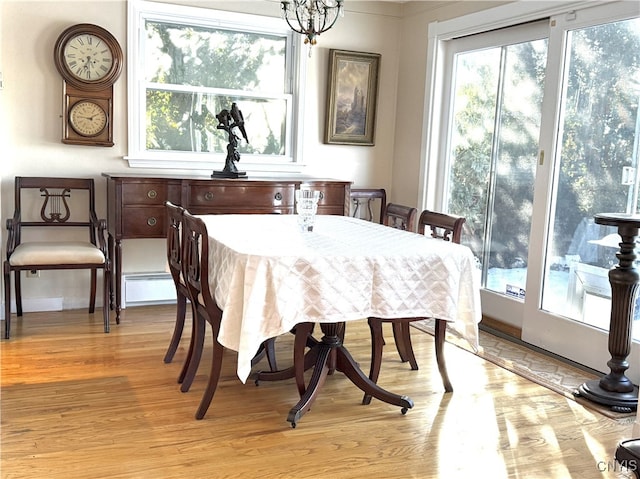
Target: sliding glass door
x,y
590,166
542,133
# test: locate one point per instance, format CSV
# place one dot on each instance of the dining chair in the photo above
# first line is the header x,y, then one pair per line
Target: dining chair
x,y
400,217
195,270
175,214
50,208
446,227
404,218
195,273
366,196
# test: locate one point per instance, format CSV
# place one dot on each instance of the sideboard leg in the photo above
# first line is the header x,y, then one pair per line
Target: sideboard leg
x,y
118,278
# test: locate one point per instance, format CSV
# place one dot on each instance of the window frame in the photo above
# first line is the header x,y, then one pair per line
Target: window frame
x,y
139,157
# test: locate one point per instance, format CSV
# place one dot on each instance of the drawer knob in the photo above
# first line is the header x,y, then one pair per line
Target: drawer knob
x,y
208,196
151,221
321,195
152,194
278,196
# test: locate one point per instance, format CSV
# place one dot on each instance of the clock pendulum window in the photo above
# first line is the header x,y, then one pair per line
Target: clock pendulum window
x,y
89,59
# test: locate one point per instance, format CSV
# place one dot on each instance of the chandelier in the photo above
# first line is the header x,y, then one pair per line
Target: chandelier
x,y
311,17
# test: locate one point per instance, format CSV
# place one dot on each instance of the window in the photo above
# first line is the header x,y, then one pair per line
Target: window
x,y
187,64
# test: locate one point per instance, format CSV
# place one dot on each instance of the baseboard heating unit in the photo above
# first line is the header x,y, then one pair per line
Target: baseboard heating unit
x,y
139,289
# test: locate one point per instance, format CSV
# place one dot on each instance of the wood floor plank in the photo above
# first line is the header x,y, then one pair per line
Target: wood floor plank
x,y
78,403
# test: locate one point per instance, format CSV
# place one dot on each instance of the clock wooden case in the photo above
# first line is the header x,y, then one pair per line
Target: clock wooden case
x,y
90,60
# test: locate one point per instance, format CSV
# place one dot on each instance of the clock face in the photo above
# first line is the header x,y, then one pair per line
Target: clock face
x,y
87,57
87,118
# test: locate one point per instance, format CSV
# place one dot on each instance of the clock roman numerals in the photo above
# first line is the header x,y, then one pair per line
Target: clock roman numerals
x,y
88,58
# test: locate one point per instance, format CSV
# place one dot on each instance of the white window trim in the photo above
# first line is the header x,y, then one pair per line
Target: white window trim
x,y
431,171
137,157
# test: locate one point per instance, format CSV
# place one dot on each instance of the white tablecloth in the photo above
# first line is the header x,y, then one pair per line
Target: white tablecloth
x,y
268,276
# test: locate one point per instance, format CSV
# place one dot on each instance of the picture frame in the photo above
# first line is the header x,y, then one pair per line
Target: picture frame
x,y
352,94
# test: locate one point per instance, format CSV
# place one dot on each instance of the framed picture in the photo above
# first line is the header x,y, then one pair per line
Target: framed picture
x,y
352,93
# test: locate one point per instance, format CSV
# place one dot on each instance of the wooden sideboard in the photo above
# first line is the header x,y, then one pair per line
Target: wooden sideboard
x,y
135,204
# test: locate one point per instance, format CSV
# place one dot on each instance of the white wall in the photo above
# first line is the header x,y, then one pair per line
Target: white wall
x,y
411,91
32,105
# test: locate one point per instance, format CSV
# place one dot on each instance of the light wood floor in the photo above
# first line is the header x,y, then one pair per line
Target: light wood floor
x,y
78,403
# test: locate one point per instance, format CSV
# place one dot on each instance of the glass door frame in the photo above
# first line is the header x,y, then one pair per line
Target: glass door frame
x,y
538,328
541,328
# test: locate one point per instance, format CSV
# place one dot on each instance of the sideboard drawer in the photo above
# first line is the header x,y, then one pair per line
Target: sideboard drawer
x,y
228,197
333,197
144,193
144,221
330,195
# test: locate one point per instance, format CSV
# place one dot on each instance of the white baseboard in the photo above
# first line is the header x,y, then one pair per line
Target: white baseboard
x,y
36,304
138,289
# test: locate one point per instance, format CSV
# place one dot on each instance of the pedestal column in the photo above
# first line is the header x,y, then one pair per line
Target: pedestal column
x,y
615,389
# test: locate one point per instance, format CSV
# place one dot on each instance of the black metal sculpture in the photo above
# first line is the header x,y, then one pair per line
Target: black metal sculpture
x,y
227,121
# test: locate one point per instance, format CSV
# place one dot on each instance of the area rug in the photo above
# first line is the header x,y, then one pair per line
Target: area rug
x,y
543,369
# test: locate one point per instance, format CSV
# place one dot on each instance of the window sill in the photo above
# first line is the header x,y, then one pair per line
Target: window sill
x,y
250,167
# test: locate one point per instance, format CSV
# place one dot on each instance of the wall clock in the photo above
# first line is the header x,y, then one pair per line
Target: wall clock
x,y
89,59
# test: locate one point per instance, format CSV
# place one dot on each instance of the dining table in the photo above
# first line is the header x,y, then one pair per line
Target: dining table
x,y
269,277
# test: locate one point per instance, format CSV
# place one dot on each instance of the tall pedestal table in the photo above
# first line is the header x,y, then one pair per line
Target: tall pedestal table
x,y
615,389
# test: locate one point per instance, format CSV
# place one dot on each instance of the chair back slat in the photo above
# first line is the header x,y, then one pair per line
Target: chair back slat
x,y
195,258
55,208
175,216
447,227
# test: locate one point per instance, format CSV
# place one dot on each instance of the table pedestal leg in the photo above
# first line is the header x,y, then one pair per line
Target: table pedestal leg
x,y
615,389
333,355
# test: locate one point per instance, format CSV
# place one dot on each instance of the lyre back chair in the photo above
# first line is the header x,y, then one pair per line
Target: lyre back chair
x,y
195,271
440,225
445,227
400,217
195,274
174,259
403,218
51,208
365,197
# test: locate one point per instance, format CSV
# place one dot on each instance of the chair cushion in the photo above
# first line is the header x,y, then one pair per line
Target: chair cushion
x,y
51,253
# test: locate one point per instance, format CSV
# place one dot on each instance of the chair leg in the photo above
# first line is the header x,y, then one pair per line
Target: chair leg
x,y
214,376
193,361
16,280
375,326
402,337
267,348
440,333
192,341
302,340
181,312
92,294
7,300
270,346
